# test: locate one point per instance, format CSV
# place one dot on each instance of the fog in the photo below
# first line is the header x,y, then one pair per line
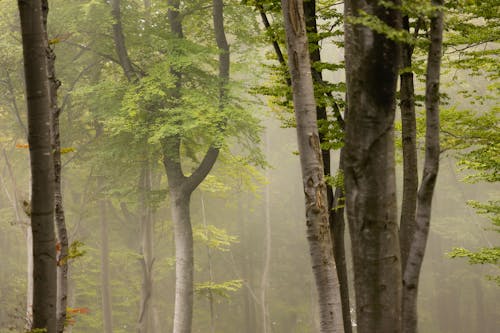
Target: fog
x,y
251,257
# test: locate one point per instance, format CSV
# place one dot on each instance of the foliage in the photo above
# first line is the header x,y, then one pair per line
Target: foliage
x,y
214,237
220,289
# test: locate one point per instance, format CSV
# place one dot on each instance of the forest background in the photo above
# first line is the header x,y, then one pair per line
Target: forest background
x,y
251,259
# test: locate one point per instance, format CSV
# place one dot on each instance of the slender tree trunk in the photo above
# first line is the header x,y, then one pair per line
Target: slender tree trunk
x,y
42,165
105,274
120,47
62,234
429,176
210,269
337,223
264,281
369,168
318,232
29,277
26,227
409,143
145,313
336,214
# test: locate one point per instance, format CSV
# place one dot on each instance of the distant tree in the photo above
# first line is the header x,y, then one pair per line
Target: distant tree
x,y
316,202
35,46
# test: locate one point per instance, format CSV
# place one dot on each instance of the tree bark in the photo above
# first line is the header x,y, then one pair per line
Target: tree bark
x,y
60,220
145,321
316,203
429,176
371,71
183,234
42,165
121,48
335,209
409,144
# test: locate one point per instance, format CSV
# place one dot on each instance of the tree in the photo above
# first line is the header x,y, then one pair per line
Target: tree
x,y
330,131
60,221
418,242
42,165
371,71
316,203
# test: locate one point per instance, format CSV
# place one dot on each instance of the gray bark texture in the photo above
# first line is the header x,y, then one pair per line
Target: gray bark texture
x,y
318,231
429,175
42,165
336,213
369,168
60,220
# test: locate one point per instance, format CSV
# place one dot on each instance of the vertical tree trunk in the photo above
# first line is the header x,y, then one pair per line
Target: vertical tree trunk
x,y
409,143
26,227
42,165
210,268
62,234
429,176
369,166
336,215
180,201
105,275
264,281
145,323
318,232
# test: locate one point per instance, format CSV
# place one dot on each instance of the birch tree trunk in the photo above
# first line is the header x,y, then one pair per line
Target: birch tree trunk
x,y
42,165
316,204
429,176
369,166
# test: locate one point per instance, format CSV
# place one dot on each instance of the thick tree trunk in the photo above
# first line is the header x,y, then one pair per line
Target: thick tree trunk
x,y
318,232
184,264
42,165
369,166
429,176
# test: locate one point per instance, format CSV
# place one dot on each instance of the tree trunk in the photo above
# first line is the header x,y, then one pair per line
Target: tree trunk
x,y
264,281
62,234
120,47
184,264
42,165
336,215
213,316
105,275
145,313
431,166
369,166
409,143
318,232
